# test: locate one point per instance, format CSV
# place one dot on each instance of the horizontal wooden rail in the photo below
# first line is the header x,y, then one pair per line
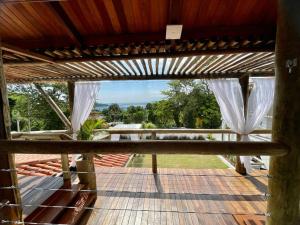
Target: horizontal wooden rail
x,y
177,131
145,147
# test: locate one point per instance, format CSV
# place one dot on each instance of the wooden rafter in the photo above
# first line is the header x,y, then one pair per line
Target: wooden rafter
x,y
27,53
67,22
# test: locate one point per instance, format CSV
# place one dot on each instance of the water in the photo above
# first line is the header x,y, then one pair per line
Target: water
x,y
100,106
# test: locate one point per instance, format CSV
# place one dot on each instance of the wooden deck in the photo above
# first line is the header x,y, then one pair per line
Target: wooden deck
x,y
178,196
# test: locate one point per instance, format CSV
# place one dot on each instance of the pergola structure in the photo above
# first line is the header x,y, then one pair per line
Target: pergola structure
x,y
54,40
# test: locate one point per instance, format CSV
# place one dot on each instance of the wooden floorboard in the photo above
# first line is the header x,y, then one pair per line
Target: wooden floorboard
x,y
134,196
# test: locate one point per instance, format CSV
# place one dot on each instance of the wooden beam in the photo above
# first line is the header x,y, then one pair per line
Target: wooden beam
x,y
67,22
166,54
78,77
283,204
177,131
221,32
7,159
145,147
27,53
54,106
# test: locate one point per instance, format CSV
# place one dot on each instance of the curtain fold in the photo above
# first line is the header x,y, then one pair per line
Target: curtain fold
x,y
85,96
229,96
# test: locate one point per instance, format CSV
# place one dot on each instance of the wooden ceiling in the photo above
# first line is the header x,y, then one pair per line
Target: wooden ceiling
x,y
76,31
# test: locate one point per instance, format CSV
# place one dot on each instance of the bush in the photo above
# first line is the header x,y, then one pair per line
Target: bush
x,y
87,129
148,125
210,137
174,137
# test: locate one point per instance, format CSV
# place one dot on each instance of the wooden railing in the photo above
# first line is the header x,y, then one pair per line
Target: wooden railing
x,y
187,146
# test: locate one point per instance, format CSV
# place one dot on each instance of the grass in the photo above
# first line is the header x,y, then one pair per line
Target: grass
x,y
179,161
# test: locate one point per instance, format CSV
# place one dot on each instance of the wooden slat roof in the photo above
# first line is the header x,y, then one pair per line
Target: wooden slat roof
x,y
76,31
190,67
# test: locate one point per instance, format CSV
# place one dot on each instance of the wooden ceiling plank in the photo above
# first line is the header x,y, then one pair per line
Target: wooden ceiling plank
x,y
24,52
175,12
64,19
118,5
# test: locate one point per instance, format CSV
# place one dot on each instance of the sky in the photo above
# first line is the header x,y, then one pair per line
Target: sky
x,y
132,91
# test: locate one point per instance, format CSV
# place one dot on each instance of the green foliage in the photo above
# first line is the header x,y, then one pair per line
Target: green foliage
x,y
86,130
113,113
210,137
29,107
176,137
134,114
148,125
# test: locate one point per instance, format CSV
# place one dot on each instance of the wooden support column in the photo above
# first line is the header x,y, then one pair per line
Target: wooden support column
x,y
154,156
87,162
64,119
284,184
7,160
244,82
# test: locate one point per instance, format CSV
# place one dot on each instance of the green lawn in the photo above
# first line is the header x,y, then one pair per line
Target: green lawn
x,y
179,161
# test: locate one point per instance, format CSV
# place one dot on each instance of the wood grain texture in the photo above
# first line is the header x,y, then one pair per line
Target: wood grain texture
x,y
144,146
176,196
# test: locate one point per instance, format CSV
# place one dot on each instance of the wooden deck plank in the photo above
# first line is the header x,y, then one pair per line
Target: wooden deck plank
x,y
175,196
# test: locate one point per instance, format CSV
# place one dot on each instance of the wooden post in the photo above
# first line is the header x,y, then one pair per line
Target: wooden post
x,y
244,82
7,160
154,156
284,184
87,162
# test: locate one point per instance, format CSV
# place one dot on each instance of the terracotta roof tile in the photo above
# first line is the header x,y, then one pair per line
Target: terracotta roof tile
x,y
53,166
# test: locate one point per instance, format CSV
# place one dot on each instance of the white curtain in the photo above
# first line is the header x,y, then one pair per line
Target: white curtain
x,y
85,95
229,96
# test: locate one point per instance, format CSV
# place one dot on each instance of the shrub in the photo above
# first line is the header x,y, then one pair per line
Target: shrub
x,y
87,129
148,125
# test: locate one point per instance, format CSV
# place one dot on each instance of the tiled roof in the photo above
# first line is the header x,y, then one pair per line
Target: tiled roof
x,y
53,166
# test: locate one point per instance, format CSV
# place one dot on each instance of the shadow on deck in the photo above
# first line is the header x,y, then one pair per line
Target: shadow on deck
x,y
178,196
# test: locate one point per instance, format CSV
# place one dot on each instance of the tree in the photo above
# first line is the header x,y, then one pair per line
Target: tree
x,y
192,104
32,109
113,113
134,114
